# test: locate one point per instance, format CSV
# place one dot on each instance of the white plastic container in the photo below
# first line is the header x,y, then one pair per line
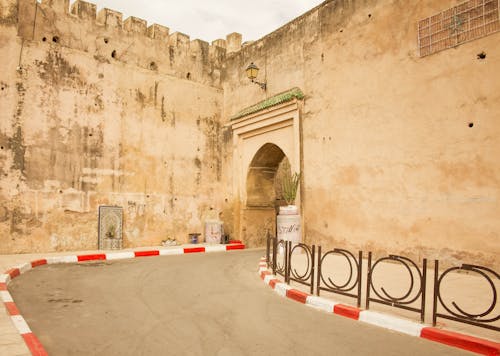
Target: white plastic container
x,y
288,224
213,231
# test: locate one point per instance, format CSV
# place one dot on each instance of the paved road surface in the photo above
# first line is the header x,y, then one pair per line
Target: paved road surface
x,y
200,304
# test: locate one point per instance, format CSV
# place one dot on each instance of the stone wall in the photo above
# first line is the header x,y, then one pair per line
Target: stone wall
x,y
79,128
399,152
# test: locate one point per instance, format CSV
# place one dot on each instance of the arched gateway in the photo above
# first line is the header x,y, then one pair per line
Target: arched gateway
x,y
264,136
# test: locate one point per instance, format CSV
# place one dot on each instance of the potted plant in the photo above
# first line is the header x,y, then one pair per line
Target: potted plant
x,y
288,220
290,185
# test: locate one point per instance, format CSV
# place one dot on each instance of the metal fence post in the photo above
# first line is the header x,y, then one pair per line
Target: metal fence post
x,y
318,278
424,287
436,291
368,280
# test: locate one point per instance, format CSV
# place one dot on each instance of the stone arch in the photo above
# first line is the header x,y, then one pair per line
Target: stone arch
x,y
264,135
260,183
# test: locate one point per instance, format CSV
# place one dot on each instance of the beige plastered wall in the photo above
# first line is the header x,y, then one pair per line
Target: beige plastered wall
x,y
389,161
80,129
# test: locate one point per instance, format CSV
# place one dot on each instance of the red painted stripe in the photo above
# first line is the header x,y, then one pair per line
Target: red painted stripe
x,y
146,253
466,342
34,345
3,286
235,247
273,282
347,311
38,263
235,242
297,295
264,274
13,273
12,308
97,256
194,249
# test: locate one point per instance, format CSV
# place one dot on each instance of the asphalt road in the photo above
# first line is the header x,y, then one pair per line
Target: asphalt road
x,y
200,304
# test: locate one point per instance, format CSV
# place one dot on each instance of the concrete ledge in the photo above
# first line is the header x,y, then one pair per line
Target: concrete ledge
x,y
390,322
297,295
281,288
34,345
347,311
321,303
466,342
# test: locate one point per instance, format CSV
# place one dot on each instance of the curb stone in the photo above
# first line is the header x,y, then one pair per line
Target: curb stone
x,y
466,342
34,345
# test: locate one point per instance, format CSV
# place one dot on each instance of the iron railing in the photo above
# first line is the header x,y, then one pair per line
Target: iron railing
x,y
306,278
352,285
455,312
413,299
416,290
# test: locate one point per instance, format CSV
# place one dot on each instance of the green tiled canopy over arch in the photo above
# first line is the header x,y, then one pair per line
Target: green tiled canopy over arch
x,y
289,95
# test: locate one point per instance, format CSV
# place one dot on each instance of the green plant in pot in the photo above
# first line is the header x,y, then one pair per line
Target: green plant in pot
x,y
290,185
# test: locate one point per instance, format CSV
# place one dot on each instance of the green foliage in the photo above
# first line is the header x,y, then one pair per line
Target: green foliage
x,y
290,184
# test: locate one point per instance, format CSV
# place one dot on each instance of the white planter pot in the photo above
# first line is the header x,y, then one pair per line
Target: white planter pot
x,y
288,224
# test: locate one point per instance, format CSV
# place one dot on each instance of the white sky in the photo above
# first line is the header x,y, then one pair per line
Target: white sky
x,y
209,20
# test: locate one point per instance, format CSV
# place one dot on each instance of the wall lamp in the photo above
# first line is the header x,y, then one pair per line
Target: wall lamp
x,y
252,72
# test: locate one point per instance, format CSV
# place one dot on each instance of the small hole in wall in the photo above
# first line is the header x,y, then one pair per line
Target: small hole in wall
x,y
44,39
113,54
188,75
1,147
471,124
147,196
153,66
55,39
369,15
60,192
106,40
90,135
341,30
481,55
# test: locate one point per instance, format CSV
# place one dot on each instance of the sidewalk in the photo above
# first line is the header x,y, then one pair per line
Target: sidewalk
x,y
11,341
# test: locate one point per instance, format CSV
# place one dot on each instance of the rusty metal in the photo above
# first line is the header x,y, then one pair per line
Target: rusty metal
x,y
268,249
306,278
281,268
483,319
353,283
405,300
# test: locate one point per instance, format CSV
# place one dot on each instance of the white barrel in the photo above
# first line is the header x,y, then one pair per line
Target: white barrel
x,y
213,231
289,228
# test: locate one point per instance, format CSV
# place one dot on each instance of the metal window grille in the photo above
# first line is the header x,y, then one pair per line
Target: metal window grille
x,y
468,21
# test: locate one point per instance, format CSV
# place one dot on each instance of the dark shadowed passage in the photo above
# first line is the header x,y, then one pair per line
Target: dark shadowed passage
x,y
209,304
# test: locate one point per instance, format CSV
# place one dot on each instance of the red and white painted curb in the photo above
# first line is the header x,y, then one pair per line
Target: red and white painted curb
x,y
30,339
466,342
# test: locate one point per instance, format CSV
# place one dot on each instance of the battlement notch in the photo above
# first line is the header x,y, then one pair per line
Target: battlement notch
x,y
84,10
110,18
178,39
158,32
60,6
233,42
135,25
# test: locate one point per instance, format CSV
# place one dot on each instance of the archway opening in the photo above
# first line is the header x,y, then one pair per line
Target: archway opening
x,y
263,193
